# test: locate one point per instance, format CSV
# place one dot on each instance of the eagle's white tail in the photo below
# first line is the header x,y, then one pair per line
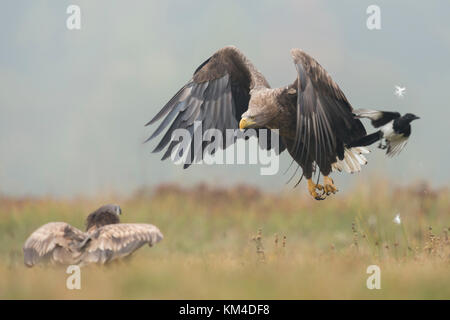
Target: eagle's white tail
x,y
353,160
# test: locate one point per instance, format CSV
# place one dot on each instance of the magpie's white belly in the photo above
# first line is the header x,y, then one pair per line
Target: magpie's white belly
x,y
388,131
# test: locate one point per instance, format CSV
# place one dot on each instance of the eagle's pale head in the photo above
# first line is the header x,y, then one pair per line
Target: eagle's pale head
x,y
262,108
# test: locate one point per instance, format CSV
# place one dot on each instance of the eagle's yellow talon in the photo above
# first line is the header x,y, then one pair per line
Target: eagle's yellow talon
x,y
312,187
328,185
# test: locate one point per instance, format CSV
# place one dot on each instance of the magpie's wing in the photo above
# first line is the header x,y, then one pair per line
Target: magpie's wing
x,y
216,96
378,118
395,146
54,241
115,241
325,122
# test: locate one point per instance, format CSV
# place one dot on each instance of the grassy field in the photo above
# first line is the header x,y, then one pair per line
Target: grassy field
x,y
242,243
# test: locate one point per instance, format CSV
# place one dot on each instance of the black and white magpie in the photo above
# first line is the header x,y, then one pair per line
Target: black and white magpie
x,y
394,130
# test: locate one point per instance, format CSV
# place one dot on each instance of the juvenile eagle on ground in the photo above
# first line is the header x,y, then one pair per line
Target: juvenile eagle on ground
x,y
313,116
105,240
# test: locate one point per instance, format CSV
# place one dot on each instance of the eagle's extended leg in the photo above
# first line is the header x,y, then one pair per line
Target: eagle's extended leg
x,y
312,187
328,185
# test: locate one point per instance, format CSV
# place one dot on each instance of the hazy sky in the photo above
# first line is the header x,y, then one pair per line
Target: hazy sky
x,y
73,104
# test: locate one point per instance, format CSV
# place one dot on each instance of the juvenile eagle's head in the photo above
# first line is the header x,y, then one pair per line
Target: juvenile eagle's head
x,y
107,214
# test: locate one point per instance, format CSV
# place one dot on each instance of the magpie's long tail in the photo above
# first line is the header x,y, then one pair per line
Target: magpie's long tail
x,y
366,140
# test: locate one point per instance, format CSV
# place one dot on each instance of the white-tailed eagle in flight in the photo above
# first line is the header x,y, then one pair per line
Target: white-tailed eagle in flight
x,y
313,116
105,240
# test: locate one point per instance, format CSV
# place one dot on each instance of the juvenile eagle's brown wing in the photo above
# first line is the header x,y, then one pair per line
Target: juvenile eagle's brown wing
x,y
116,241
325,123
56,242
216,96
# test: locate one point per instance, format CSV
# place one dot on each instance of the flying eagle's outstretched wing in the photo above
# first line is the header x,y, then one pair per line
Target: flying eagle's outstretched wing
x,y
325,123
116,241
56,242
217,95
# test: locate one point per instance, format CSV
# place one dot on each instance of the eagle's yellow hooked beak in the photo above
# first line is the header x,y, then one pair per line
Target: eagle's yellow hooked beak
x,y
246,123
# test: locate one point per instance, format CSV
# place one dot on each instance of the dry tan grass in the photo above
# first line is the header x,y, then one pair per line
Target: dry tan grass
x,y
243,243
